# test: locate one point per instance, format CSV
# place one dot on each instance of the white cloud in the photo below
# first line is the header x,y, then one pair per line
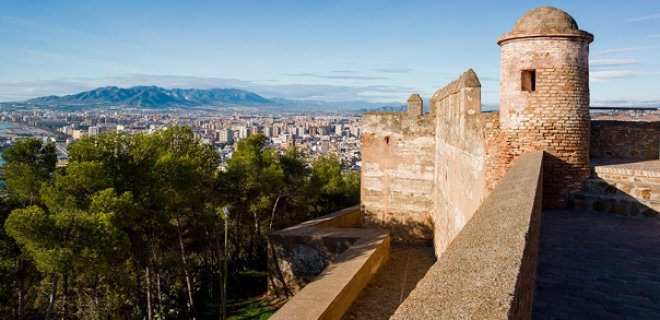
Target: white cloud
x,y
644,18
625,103
337,77
629,49
394,70
611,74
612,62
653,36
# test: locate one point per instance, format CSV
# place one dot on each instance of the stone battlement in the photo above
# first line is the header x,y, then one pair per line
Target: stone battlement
x,y
474,184
467,87
416,165
424,175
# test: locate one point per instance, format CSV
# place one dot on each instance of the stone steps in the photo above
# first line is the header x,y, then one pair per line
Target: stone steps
x,y
613,189
609,203
638,190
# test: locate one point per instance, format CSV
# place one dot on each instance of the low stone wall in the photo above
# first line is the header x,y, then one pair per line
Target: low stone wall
x,y
488,270
332,252
634,140
298,254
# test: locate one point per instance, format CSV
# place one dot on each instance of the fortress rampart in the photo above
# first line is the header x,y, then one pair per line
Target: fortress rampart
x,y
473,183
426,170
427,174
398,173
460,155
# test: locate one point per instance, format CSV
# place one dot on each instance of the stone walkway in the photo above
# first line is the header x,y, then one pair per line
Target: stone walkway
x,y
392,284
597,266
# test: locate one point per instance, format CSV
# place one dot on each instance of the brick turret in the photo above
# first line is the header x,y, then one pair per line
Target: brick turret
x,y
544,96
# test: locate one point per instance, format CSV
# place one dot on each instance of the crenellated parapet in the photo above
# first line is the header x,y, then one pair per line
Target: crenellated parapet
x,y
409,157
462,96
415,105
397,171
426,173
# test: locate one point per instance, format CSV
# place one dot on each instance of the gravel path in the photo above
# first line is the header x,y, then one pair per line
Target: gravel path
x,y
392,284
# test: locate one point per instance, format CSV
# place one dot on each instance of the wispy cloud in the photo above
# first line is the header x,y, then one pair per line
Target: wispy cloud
x,y
612,62
601,75
337,77
653,36
394,70
489,79
644,18
343,71
611,74
625,103
629,49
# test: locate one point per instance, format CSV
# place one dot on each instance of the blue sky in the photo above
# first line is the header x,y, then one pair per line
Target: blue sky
x,y
326,50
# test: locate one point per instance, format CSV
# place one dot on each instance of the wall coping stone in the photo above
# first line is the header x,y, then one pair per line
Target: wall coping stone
x,y
468,79
647,169
335,289
488,270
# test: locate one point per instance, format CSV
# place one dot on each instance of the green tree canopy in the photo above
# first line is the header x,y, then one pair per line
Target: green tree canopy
x,y
28,164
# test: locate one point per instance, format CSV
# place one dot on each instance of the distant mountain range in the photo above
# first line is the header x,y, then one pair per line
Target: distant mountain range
x,y
152,97
155,97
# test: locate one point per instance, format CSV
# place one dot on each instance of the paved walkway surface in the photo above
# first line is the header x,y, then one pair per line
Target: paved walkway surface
x,y
392,284
597,266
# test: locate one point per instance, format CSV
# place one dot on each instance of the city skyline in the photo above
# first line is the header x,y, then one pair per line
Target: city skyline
x,y
376,51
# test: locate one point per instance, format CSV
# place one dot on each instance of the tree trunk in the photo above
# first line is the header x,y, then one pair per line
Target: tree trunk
x,y
185,264
65,294
218,265
21,290
147,279
19,314
237,245
158,282
51,296
272,214
80,304
95,297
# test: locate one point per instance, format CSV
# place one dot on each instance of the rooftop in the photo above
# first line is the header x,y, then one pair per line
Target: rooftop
x,y
545,21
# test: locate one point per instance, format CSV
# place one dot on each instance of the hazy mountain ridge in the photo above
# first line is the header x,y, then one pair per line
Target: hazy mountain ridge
x,y
156,97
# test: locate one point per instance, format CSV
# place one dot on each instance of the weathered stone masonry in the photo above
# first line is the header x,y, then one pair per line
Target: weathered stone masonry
x,y
625,140
397,176
430,172
422,171
460,155
553,113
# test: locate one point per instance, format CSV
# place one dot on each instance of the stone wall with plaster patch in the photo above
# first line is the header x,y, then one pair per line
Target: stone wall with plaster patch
x,y
398,172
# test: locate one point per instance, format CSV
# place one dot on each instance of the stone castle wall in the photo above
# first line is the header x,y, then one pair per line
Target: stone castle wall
x,y
431,172
425,175
460,155
632,140
397,173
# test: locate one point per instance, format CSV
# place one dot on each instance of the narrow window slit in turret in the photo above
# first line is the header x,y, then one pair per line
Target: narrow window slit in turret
x,y
528,80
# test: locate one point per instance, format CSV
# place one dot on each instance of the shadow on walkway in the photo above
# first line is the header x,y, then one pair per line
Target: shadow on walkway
x,y
597,266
